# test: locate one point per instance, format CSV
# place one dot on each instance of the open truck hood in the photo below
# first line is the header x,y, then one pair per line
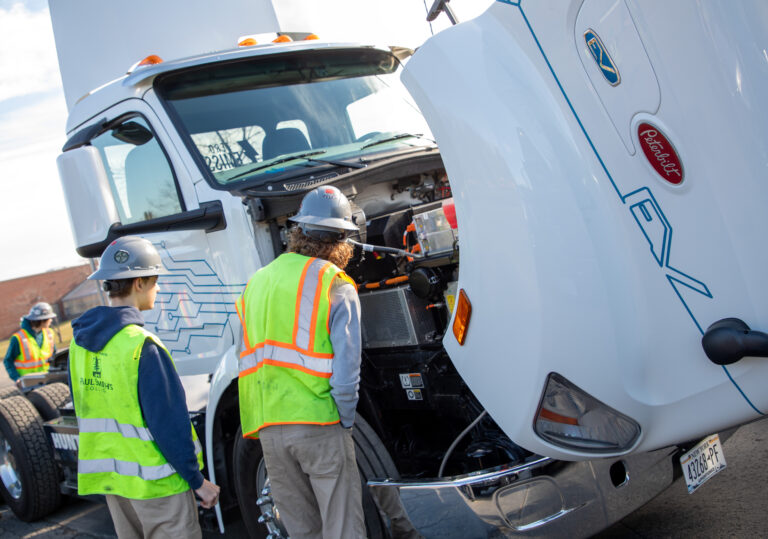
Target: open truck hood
x,y
582,253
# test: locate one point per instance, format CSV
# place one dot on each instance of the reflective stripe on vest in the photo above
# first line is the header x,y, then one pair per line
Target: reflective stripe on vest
x,y
121,467
278,354
107,424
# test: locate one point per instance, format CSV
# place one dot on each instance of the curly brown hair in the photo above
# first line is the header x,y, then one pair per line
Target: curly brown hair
x,y
337,252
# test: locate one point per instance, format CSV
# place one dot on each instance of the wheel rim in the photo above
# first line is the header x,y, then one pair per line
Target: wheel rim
x,y
8,474
270,515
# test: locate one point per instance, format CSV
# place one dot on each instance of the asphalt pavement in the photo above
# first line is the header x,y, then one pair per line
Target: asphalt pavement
x,y
731,504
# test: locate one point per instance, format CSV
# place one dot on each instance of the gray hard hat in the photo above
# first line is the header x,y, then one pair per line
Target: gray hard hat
x,y
129,257
326,209
41,311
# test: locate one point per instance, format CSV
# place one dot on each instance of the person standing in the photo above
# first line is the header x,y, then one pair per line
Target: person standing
x,y
31,348
136,443
300,372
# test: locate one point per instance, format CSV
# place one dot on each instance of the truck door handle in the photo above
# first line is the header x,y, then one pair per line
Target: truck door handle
x,y
730,339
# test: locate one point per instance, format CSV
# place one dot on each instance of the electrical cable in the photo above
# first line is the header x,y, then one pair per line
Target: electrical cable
x,y
380,249
457,440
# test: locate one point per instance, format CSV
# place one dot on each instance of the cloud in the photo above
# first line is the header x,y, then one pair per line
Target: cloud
x,y
33,217
27,52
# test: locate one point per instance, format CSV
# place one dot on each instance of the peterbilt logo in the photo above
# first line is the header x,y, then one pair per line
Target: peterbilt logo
x,y
660,153
602,58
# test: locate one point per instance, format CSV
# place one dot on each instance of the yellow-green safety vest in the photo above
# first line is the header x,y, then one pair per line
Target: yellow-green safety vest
x,y
286,364
116,451
33,359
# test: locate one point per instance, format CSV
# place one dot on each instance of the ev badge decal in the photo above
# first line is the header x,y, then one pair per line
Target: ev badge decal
x,y
660,153
602,58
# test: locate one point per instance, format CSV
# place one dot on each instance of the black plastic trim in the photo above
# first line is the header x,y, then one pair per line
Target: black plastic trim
x,y
209,217
84,136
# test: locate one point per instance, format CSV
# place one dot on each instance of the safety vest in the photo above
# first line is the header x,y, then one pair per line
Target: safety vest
x,y
117,453
286,364
32,358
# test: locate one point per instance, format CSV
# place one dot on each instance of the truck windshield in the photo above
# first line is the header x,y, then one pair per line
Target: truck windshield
x,y
258,119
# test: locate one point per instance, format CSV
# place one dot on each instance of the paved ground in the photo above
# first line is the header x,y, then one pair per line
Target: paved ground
x,y
732,504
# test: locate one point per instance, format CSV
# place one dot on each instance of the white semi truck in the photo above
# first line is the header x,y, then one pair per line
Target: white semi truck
x,y
548,349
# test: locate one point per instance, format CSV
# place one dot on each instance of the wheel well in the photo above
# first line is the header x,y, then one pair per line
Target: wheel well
x,y
225,425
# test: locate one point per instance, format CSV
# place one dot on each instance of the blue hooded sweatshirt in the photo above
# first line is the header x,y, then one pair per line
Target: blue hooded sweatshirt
x,y
161,395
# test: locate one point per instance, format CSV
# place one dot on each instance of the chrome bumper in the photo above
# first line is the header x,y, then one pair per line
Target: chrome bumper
x,y
540,498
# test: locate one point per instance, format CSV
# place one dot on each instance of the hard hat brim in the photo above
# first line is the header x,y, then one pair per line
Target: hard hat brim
x,y
108,275
329,222
38,318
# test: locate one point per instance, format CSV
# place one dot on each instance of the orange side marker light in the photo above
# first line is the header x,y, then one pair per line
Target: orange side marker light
x,y
463,313
152,59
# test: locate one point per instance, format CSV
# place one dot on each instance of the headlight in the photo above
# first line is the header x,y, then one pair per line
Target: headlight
x,y
570,418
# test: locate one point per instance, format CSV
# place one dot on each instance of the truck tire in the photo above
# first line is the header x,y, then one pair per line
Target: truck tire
x,y
29,477
10,391
48,399
250,476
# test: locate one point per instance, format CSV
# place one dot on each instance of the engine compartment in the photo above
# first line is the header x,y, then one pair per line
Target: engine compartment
x,y
410,391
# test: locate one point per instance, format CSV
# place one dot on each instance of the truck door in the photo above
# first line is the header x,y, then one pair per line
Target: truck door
x,y
606,219
154,197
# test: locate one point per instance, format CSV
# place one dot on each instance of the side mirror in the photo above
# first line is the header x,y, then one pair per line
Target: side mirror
x,y
730,339
90,204
132,133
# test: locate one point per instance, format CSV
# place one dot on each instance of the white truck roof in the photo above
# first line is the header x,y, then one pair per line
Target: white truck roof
x,y
98,41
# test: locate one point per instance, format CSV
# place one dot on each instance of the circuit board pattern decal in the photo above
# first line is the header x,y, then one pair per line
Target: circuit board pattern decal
x,y
193,303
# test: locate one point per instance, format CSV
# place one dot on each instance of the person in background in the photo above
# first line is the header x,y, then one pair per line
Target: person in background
x,y
136,443
31,348
300,371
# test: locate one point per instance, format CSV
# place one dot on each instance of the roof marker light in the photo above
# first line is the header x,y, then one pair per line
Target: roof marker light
x,y
152,59
247,42
282,39
311,36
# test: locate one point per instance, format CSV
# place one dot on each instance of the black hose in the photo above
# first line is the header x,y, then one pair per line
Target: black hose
x,y
381,249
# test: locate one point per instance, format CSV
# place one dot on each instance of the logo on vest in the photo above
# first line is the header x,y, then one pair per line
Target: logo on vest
x,y
96,368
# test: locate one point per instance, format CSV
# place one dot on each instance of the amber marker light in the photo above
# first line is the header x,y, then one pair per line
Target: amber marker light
x,y
247,42
152,59
463,312
282,39
310,37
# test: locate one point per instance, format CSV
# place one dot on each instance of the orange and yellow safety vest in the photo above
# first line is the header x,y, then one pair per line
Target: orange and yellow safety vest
x,y
33,358
286,364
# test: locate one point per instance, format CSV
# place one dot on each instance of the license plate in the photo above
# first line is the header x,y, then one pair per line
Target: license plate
x,y
702,462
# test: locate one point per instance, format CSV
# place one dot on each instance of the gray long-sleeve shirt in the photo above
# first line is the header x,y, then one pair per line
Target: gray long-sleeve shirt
x,y
347,347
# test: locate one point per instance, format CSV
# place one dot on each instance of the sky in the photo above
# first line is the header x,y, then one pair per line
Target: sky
x,y
36,234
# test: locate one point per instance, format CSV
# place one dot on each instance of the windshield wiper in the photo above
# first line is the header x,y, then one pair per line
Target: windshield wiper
x,y
350,164
285,159
392,138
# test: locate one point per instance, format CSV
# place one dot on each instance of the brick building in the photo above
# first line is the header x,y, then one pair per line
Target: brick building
x,y
21,293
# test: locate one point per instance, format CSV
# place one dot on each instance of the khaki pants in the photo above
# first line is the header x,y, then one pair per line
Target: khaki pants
x,y
315,482
171,517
